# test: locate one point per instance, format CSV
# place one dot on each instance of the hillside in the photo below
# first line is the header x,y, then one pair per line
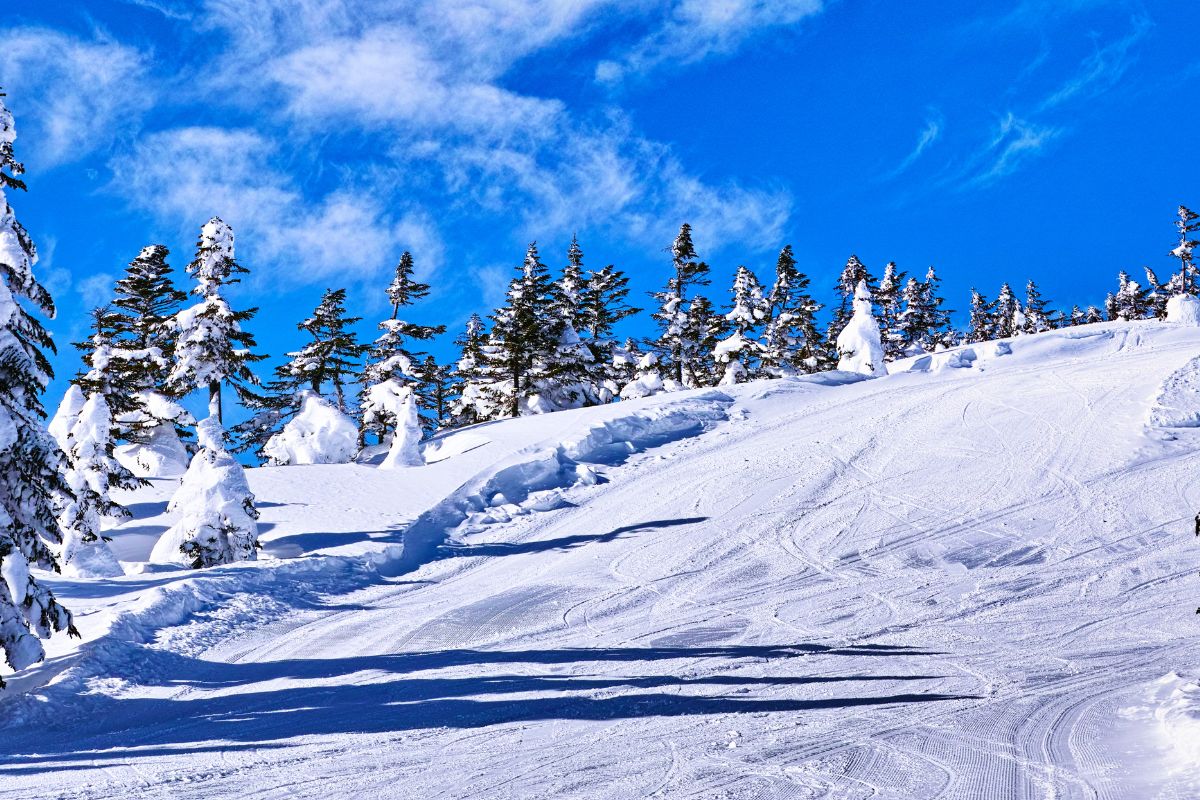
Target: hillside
x,y
973,578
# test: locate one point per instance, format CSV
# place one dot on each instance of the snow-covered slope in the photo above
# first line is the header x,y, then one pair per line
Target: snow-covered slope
x,y
973,578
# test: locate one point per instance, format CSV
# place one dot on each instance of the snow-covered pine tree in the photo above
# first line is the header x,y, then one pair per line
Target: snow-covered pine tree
x,y
391,365
982,325
1008,314
941,331
603,307
143,322
439,387
854,273
1187,223
1158,294
738,353
1110,307
703,328
1037,317
623,367
30,462
858,344
914,327
472,404
212,349
295,422
574,373
672,345
525,335
1093,314
217,518
83,428
1076,317
790,342
888,300
1130,302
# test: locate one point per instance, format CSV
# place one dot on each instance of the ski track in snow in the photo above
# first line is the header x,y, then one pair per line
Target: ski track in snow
x,y
950,584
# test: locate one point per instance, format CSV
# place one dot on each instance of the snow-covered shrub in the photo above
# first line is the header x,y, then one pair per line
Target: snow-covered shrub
x,y
217,515
319,434
859,344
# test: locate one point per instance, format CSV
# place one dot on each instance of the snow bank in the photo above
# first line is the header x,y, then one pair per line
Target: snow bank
x,y
1184,309
955,358
319,434
536,481
1177,712
1178,402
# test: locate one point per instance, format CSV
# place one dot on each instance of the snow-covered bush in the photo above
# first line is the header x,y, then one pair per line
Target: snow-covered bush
x,y
217,515
158,451
400,402
319,434
1184,309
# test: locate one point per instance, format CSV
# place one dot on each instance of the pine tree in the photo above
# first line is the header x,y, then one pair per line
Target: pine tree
x,y
1186,224
1093,314
112,370
212,349
982,325
1008,314
1158,294
439,387
941,331
145,305
30,462
332,355
391,365
472,404
525,334
1110,307
1076,317
790,341
572,289
217,518
1037,317
602,309
574,371
915,323
737,354
854,273
674,316
1131,301
888,299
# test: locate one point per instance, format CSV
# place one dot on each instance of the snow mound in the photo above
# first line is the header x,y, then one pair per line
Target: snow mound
x,y
1178,402
536,481
956,358
1177,711
319,434
162,456
1184,309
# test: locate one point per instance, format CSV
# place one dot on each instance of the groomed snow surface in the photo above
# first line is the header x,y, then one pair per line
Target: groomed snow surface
x,y
972,578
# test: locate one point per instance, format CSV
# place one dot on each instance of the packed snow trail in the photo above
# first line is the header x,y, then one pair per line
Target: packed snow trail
x,y
974,579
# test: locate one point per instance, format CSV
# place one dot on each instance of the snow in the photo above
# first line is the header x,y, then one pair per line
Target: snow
x,y
318,434
961,582
1184,309
405,447
859,344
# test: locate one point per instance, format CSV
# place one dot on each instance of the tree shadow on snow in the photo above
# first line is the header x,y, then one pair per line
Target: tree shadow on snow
x,y
561,543
376,694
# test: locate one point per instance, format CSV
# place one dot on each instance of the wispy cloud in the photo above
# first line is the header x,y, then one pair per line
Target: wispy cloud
x,y
1101,70
1014,142
928,135
694,30
79,95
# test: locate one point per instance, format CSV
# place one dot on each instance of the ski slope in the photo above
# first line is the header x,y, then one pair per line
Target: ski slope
x,y
973,578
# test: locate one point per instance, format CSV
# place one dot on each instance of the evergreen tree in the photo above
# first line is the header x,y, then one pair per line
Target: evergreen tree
x,y
704,327
1076,317
439,387
1037,317
572,289
113,371
790,341
472,404
30,462
854,273
143,316
575,371
525,333
1131,301
888,299
1008,314
675,316
982,325
859,346
915,323
737,354
332,356
602,309
1093,314
212,348
1158,294
1186,224
1110,307
941,331
391,366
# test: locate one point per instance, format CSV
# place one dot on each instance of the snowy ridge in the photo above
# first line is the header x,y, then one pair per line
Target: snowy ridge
x,y
536,481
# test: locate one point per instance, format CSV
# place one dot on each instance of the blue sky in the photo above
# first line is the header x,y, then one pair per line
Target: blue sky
x,y
1019,139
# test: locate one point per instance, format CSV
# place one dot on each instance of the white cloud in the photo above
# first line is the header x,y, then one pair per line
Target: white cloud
x,y
96,289
928,135
76,96
1101,70
187,175
698,29
1014,142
